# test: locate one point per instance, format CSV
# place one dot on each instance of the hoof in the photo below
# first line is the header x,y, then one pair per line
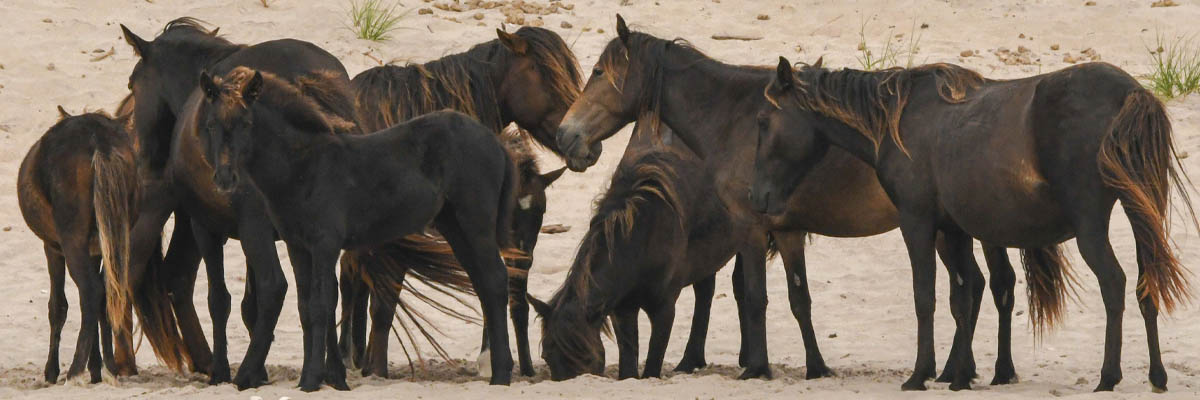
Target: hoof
x,y
51,374
689,365
336,380
763,372
960,386
1107,383
913,384
220,375
369,371
817,372
499,380
250,378
527,370
1005,379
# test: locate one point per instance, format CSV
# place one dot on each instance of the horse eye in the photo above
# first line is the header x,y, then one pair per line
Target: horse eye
x,y
597,72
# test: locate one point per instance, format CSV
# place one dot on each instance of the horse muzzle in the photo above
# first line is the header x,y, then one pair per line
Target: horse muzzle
x,y
225,179
578,154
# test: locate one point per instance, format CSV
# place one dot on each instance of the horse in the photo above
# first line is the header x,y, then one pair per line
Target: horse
x,y
359,191
177,178
1025,163
77,190
709,106
530,78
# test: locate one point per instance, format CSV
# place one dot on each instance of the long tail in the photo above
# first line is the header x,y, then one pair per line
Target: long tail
x,y
1049,277
1138,160
389,269
114,195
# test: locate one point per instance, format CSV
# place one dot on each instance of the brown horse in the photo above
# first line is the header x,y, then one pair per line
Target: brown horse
x,y
1024,163
529,78
77,189
710,106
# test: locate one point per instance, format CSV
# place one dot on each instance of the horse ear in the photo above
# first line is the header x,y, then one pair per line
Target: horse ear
x,y
140,46
550,177
214,32
539,306
253,88
211,90
783,75
62,113
819,61
622,30
513,42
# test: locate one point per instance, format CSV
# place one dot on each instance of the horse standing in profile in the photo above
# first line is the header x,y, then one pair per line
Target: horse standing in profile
x,y
1025,163
325,192
77,190
528,78
710,106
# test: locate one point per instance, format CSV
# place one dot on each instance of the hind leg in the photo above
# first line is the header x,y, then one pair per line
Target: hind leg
x,y
625,326
755,309
472,236
1097,252
1004,279
353,316
693,354
965,276
791,247
1158,374
211,247
919,237
382,313
518,310
662,318
57,306
86,275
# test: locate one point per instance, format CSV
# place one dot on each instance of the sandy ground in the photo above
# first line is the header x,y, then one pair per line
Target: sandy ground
x,y
862,295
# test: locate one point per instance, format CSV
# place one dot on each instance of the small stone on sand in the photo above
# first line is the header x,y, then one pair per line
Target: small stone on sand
x,y
763,17
565,25
1054,46
477,16
424,11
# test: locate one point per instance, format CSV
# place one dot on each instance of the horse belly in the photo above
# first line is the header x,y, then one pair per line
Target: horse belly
x,y
1013,208
840,197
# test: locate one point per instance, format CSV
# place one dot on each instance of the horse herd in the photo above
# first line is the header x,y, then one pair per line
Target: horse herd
x,y
274,141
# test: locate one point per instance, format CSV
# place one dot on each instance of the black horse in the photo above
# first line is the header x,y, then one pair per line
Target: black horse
x,y
326,192
528,78
1025,163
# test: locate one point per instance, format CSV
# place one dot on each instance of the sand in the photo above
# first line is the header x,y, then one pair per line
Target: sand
x,y
861,292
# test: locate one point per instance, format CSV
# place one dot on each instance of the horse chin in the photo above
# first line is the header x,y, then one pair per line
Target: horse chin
x,y
578,164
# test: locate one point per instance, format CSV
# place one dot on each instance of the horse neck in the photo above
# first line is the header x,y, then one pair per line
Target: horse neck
x,y
849,139
715,103
283,157
489,78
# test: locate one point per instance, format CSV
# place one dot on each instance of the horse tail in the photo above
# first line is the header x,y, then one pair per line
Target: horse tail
x,y
114,196
1137,159
393,267
1048,274
156,316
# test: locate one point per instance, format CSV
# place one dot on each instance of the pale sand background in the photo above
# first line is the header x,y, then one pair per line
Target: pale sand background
x,y
861,287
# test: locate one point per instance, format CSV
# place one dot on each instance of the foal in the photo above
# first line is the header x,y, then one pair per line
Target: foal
x,y
77,189
326,192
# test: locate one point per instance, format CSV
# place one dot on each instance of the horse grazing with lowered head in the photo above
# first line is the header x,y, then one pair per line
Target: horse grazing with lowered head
x,y
528,78
709,106
1025,163
178,179
77,190
325,192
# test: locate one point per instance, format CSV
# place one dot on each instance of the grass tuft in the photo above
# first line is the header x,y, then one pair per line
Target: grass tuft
x,y
1176,66
372,20
890,55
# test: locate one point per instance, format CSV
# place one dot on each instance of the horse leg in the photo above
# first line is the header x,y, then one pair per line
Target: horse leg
x,y
791,248
474,245
1158,374
755,338
662,318
1004,279
739,298
956,250
919,236
382,313
211,247
625,325
353,318
87,278
1097,252
57,306
335,368
518,310
270,286
181,263
249,303
693,354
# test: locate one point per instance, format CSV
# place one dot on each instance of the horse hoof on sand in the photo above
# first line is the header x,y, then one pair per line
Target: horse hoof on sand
x,y
250,380
688,365
913,386
1005,379
817,372
756,373
960,386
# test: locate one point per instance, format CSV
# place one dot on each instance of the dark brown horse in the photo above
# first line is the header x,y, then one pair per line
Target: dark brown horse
x,y
529,78
77,189
326,192
1025,163
177,178
711,106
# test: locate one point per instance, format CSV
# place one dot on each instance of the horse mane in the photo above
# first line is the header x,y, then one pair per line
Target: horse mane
x,y
872,102
652,53
516,143
318,102
464,82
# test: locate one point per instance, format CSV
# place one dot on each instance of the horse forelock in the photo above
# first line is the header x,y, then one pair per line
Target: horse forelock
x,y
555,61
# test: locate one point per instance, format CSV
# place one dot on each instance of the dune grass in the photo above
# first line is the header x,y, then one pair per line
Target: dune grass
x,y
1175,64
373,20
892,52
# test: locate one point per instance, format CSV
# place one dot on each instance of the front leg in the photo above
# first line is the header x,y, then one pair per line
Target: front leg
x,y
693,354
258,242
211,247
625,324
919,236
754,340
662,318
791,247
